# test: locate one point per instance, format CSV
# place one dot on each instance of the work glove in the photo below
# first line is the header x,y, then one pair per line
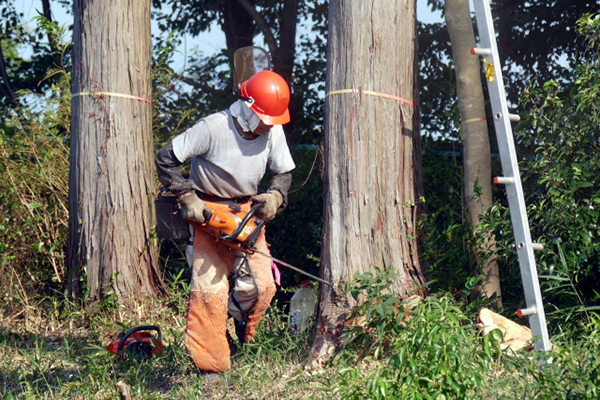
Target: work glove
x,y
192,208
270,203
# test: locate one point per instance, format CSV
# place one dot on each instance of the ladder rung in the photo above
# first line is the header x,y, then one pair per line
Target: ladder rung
x,y
501,180
481,51
521,312
534,246
514,117
537,246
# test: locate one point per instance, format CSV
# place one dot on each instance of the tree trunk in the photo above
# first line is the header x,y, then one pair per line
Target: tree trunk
x,y
48,15
282,53
476,144
6,88
237,25
372,173
112,183
283,61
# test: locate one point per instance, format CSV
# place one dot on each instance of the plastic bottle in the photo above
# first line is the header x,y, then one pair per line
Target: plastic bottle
x,y
302,307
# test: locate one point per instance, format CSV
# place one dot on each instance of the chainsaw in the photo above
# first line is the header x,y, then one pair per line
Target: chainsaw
x,y
240,230
138,341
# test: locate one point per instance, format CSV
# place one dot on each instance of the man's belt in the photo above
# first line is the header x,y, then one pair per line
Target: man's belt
x,y
221,200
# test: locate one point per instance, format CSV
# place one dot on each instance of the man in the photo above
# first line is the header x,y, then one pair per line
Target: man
x,y
230,151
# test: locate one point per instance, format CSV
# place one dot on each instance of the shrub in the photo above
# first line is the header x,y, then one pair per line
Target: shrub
x,y
34,164
562,185
431,352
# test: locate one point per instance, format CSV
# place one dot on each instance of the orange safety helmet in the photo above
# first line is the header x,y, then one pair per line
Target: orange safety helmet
x,y
270,96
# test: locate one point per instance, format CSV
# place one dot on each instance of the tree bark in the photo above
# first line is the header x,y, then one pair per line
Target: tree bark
x,y
284,53
371,170
6,88
112,181
237,24
261,24
48,15
476,144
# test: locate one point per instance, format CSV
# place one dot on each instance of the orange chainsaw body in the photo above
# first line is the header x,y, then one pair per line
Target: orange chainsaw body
x,y
225,223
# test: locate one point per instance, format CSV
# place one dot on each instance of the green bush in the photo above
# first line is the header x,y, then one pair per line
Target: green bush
x,y
296,233
433,350
442,230
562,186
34,164
430,352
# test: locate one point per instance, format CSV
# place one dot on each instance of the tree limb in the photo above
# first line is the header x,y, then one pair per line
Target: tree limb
x,y
48,15
8,90
262,25
196,84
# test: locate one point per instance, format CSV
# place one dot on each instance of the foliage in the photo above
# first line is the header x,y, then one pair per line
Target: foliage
x,y
308,85
28,73
439,109
384,317
448,241
34,161
498,221
296,233
562,184
176,106
432,350
550,25
60,352
442,229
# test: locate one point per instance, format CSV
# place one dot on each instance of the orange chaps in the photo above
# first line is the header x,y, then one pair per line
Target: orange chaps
x,y
254,288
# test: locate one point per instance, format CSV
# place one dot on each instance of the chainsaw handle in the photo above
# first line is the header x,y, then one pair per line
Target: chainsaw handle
x,y
136,329
241,225
207,213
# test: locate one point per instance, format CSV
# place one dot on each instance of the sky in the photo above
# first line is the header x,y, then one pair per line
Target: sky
x,y
209,43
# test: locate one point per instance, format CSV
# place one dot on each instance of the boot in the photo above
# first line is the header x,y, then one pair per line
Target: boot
x,y
233,347
240,329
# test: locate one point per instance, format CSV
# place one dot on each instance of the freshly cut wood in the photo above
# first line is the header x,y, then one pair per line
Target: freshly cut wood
x,y
516,337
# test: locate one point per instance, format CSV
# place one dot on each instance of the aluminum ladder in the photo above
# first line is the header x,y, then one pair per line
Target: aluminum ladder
x,y
511,179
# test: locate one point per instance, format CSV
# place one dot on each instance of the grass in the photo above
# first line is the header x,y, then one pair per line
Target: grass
x,y
57,350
